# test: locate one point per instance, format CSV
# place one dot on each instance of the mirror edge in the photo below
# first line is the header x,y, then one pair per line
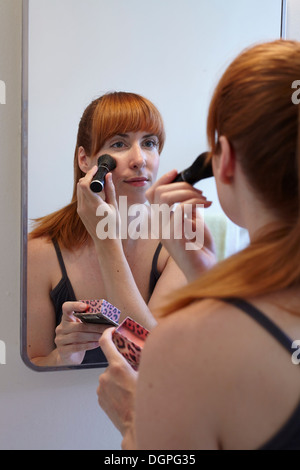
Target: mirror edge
x,y
283,19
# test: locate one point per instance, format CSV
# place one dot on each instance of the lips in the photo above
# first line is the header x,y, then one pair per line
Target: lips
x,y
136,180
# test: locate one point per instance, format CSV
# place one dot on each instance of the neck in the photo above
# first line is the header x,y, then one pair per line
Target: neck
x,y
254,215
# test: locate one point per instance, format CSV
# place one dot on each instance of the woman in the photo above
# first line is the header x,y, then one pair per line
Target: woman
x,y
216,373
132,274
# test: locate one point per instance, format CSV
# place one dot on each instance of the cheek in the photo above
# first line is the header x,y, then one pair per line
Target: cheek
x,y
155,167
118,172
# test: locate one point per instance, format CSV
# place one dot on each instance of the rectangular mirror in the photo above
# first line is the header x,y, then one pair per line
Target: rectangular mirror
x,y
170,51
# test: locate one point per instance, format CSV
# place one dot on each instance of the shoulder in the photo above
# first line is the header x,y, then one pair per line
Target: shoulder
x,y
41,258
207,335
195,322
41,247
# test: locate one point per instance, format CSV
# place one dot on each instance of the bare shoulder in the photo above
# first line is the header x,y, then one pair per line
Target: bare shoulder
x,y
197,319
192,338
41,255
40,243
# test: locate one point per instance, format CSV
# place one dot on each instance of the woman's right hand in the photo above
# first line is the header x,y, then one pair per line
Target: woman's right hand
x,y
73,337
93,209
189,240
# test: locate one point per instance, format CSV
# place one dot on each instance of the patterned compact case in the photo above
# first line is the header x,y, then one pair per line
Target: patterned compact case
x,y
99,311
129,339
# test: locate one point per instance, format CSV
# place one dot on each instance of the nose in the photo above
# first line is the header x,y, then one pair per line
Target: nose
x,y
137,157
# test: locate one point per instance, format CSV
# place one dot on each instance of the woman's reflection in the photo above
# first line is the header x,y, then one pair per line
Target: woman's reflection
x,y
66,259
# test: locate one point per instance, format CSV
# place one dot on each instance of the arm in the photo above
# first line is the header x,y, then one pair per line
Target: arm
x,y
116,391
47,346
120,286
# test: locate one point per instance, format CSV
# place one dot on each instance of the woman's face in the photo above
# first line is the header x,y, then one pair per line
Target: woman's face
x,y
137,157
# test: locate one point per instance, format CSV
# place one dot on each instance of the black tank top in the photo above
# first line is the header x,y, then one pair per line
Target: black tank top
x,y
64,292
288,437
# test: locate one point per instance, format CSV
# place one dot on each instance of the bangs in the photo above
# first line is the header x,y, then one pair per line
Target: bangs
x,y
120,113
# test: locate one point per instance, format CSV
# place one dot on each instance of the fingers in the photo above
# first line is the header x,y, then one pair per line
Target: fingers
x,y
109,349
164,180
83,186
73,346
69,308
162,192
110,192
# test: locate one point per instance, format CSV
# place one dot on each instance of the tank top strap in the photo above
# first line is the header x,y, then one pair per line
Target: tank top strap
x,y
60,258
263,320
155,259
154,275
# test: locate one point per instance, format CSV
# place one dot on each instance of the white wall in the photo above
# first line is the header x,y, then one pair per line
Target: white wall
x,y
292,23
57,410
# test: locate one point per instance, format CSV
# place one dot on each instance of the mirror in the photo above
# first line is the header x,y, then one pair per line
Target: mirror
x,y
170,51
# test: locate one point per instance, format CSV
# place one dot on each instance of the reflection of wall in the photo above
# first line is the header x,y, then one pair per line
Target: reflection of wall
x,y
292,26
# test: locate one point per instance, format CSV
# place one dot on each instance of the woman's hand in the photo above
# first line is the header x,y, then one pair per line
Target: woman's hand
x,y
93,209
73,337
116,391
189,241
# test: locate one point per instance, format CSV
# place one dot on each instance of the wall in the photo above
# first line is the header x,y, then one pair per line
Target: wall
x,y
53,410
292,25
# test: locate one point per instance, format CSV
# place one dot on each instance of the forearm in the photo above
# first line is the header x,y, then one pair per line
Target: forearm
x,y
121,289
193,263
52,360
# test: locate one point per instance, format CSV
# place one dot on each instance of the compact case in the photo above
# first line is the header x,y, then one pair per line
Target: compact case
x,y
129,339
99,311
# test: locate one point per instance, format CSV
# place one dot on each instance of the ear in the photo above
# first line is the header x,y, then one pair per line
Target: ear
x,y
83,160
225,161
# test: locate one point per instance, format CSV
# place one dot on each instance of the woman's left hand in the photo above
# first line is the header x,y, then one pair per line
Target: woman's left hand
x,y
116,391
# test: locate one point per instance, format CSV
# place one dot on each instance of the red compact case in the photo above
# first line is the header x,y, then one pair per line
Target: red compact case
x,y
129,339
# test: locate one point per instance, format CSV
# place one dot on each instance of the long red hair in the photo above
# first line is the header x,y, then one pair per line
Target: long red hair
x,y
112,113
252,106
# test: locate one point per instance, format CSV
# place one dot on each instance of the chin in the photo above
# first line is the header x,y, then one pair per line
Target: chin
x,y
232,215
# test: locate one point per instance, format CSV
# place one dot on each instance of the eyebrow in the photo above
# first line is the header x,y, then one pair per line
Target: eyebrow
x,y
127,135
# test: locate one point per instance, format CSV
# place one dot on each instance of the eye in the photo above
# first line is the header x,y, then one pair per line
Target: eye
x,y
151,143
119,144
